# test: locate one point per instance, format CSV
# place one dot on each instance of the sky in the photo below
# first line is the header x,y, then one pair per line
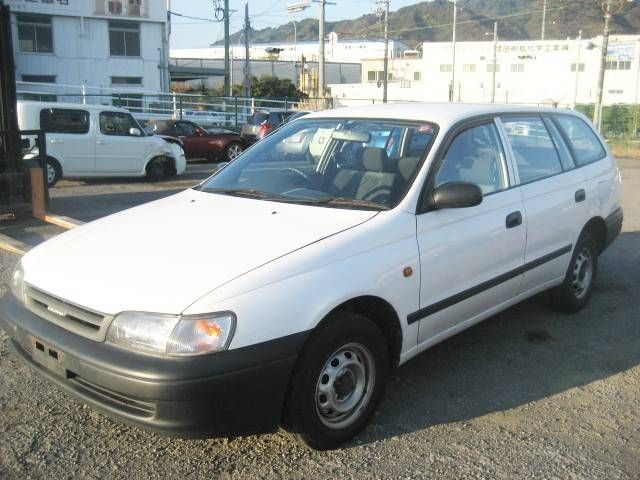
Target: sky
x,y
192,33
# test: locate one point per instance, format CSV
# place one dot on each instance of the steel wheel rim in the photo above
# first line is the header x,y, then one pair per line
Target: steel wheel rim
x,y
51,174
345,386
582,273
234,151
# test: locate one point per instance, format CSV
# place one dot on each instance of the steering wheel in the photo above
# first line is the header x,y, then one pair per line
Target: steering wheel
x,y
295,173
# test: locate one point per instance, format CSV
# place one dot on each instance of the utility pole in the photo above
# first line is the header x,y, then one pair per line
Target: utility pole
x,y
321,87
609,8
227,82
453,59
544,19
247,60
495,62
597,111
383,11
575,89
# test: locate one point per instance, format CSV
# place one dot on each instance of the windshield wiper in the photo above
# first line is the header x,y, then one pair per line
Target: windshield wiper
x,y
239,192
346,202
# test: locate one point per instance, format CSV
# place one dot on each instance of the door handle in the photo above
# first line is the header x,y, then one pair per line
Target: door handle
x,y
580,195
101,142
514,219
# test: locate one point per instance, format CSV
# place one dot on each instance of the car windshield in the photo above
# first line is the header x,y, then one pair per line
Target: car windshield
x,y
342,162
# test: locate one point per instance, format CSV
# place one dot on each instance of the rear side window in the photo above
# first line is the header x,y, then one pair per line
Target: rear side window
x,y
62,120
583,141
535,154
275,118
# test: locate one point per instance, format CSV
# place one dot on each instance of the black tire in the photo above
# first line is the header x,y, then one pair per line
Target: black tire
x,y
53,172
156,170
573,294
346,343
233,150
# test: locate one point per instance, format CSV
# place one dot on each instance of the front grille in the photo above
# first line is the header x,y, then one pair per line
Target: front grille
x,y
117,400
80,320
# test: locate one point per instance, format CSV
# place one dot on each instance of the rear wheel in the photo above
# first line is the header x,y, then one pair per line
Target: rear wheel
x,y
573,294
233,150
338,381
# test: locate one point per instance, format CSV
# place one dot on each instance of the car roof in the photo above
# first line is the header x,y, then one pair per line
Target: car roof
x,y
443,114
74,106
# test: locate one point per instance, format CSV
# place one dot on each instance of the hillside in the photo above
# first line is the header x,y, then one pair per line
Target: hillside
x,y
431,21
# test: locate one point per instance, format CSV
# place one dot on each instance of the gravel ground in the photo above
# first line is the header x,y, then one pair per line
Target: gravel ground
x,y
529,393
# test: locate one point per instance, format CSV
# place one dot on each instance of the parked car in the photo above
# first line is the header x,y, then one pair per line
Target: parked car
x,y
261,123
97,141
318,260
198,142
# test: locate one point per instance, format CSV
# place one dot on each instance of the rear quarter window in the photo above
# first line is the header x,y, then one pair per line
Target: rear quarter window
x,y
62,120
583,142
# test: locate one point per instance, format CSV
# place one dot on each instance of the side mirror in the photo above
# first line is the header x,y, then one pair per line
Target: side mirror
x,y
199,132
135,132
456,195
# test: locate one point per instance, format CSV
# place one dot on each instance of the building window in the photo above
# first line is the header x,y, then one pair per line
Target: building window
x,y
618,65
490,67
34,33
616,92
417,76
126,81
445,67
580,67
371,75
390,77
469,67
39,78
381,75
124,39
517,67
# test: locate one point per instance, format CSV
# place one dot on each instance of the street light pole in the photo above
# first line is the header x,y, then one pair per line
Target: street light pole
x,y
495,62
383,11
453,58
247,60
544,19
575,89
295,51
321,49
227,80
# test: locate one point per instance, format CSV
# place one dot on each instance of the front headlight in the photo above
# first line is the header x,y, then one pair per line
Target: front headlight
x,y
173,335
17,282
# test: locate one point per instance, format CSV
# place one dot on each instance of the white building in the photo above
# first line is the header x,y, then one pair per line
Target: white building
x,y
527,72
105,45
336,50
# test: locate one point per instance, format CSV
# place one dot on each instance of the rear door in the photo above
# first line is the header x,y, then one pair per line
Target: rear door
x,y
553,192
70,139
471,258
117,151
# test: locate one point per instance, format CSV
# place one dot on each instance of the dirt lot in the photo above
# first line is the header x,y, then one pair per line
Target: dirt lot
x,y
528,393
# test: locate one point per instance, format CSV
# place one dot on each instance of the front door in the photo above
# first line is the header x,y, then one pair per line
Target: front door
x,y
471,258
117,150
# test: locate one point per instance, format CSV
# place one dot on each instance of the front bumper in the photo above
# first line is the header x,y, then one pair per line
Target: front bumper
x,y
239,391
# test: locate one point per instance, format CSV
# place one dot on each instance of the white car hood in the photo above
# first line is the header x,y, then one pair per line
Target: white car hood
x,y
163,256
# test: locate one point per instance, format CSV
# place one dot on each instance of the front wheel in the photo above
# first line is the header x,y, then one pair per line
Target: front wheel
x,y
573,294
156,170
233,150
338,381
53,172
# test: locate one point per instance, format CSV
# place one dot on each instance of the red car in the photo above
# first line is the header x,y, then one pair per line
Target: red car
x,y
198,143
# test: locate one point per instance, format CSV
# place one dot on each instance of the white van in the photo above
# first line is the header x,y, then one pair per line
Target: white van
x,y
98,141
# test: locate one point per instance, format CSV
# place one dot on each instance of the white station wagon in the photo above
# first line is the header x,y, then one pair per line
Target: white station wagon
x,y
339,247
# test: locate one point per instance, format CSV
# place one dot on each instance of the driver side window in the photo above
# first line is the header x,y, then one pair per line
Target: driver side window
x,y
475,156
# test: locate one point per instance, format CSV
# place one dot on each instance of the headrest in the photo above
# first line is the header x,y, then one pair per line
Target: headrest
x,y
375,159
407,166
